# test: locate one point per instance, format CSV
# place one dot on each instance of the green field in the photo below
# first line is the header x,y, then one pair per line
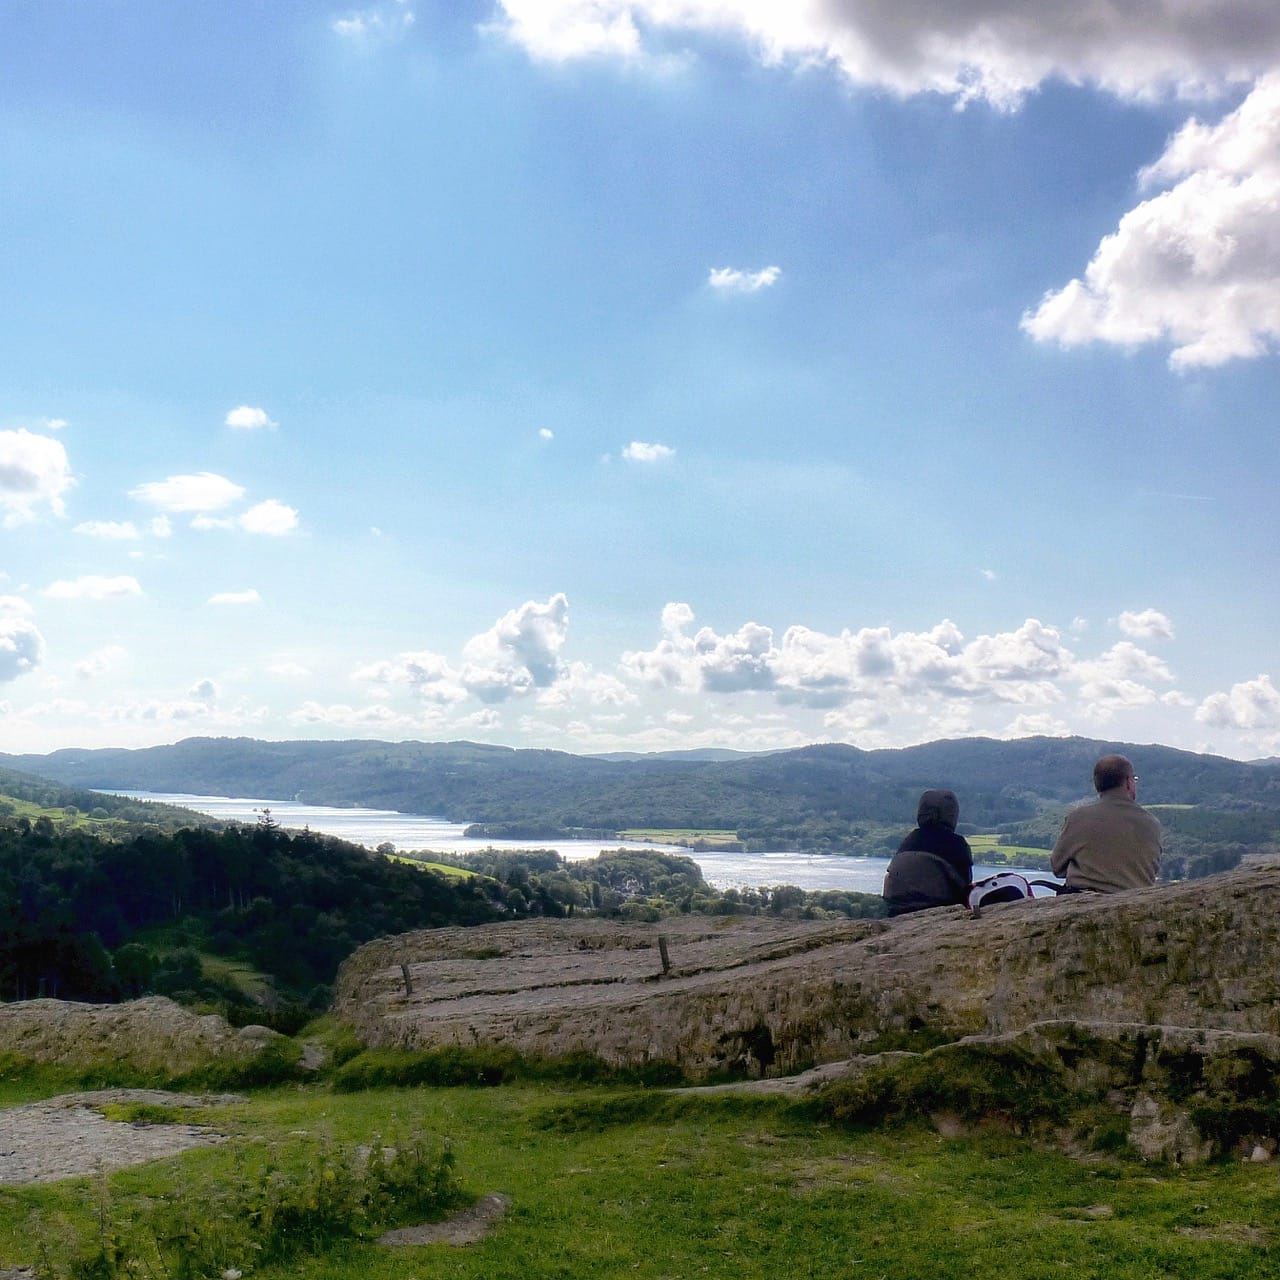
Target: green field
x,y
988,849
706,836
611,1183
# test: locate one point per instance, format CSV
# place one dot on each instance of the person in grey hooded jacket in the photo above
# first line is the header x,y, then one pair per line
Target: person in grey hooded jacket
x,y
933,866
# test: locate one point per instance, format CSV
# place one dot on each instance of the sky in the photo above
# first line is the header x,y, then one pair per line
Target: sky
x,y
639,374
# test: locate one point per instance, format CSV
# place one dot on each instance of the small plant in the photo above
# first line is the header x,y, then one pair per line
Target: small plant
x,y
322,1195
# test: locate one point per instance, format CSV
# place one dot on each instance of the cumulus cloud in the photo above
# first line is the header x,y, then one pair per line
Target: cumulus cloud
x,y
519,653
931,677
578,683
996,50
270,517
250,596
203,491
204,691
429,675
34,474
1196,265
731,280
1149,624
99,662
639,451
247,418
1251,704
94,587
1120,678
21,644
110,530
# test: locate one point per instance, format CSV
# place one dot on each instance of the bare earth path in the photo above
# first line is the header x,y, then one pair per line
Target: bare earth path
x,y
67,1137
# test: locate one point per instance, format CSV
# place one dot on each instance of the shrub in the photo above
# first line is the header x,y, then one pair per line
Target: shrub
x,y
330,1194
1008,1084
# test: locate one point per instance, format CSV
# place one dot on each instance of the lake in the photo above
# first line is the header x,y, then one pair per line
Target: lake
x,y
411,831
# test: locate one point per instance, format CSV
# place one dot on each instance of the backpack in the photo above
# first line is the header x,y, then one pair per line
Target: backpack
x,y
1006,886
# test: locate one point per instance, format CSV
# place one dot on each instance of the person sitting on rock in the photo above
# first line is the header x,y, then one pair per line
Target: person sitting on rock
x,y
1113,843
933,865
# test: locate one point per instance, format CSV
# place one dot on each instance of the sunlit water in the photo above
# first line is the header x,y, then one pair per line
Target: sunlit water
x,y
416,832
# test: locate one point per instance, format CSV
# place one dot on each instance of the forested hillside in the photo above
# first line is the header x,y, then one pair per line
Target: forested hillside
x,y
823,797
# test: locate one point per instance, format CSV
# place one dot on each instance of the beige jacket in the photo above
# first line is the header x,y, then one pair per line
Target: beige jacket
x,y
1109,845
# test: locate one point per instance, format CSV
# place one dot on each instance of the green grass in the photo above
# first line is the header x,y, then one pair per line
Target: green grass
x,y
676,835
425,864
988,849
607,1182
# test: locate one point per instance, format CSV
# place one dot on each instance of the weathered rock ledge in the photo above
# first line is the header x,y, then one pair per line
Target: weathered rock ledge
x,y
773,997
152,1035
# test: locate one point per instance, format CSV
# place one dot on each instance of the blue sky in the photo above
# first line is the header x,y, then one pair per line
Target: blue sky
x,y
598,375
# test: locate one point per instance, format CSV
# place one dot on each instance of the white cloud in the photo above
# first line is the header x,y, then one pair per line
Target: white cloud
x,y
429,676
56,424
545,433
1120,678
21,644
247,418
94,587
1252,704
882,669
731,280
1197,265
203,491
204,691
270,517
340,715
110,530
250,596
1149,624
968,49
377,22
206,523
99,662
1039,725
34,473
578,683
519,653
639,451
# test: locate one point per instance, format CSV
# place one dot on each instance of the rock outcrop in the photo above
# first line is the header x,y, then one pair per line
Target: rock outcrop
x,y
149,1036
772,997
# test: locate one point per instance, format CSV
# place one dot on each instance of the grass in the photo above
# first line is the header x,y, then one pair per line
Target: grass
x,y
607,1182
424,863
709,836
988,849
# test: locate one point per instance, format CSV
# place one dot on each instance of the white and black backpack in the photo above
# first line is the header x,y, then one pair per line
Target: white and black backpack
x,y
1006,886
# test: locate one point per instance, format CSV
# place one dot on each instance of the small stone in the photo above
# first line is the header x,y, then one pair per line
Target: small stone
x,y
1259,1155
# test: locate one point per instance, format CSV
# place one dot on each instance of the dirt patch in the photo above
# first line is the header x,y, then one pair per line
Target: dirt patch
x,y
67,1137
467,1226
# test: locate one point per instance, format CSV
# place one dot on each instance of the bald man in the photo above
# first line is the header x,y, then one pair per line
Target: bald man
x,y
1113,843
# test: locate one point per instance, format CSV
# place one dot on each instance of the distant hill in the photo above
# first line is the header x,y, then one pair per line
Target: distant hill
x,y
28,795
696,754
822,796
